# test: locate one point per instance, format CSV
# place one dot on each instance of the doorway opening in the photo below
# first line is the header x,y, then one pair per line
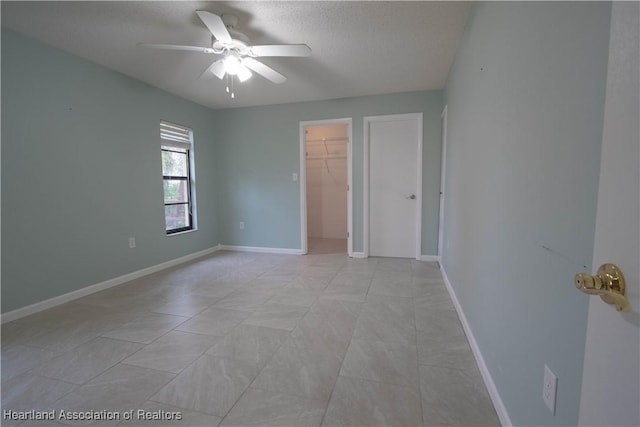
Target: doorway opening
x,y
325,186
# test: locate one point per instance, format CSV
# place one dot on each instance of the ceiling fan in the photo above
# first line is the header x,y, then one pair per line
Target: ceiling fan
x,y
238,56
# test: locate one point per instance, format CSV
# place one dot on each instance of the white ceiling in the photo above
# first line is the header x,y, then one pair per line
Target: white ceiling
x,y
359,48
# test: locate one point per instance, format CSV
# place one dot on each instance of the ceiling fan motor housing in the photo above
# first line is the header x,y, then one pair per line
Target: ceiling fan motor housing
x,y
237,45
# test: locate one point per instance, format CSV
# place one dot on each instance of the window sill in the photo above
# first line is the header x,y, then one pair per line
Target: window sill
x,y
179,233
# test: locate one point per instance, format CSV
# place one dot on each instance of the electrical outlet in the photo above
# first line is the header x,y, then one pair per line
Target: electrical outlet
x,y
549,388
241,225
132,242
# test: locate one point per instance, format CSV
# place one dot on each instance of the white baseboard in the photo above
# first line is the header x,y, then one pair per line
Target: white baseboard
x,y
260,249
79,293
501,410
422,257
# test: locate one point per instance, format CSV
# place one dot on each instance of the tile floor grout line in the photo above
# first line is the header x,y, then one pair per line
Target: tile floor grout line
x,y
64,353
344,356
326,409
114,365
275,351
238,399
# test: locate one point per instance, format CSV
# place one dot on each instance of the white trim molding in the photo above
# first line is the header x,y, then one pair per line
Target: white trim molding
x,y
82,292
365,188
443,176
302,178
429,258
357,255
501,410
260,249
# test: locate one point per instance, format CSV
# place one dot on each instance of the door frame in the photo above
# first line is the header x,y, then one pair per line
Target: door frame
x,y
303,181
366,175
610,365
443,168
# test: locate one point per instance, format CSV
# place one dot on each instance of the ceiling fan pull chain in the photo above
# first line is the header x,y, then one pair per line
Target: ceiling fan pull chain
x,y
233,95
227,83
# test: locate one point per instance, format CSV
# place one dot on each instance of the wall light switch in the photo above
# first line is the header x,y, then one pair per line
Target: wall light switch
x,y
132,242
549,389
241,225
294,176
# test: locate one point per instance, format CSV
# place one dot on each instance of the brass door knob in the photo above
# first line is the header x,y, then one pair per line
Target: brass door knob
x,y
608,283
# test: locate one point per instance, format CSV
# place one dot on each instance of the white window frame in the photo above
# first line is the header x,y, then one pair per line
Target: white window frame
x,y
173,135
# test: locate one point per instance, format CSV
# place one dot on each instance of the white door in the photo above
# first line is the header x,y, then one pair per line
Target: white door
x,y
394,148
611,378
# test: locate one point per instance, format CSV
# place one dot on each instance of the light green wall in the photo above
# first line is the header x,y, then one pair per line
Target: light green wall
x,y
260,148
81,172
525,101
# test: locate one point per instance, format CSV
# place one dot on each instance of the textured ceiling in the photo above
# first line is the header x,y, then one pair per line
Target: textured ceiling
x,y
359,48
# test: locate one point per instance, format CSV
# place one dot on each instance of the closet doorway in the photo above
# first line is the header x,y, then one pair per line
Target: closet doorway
x,y
325,186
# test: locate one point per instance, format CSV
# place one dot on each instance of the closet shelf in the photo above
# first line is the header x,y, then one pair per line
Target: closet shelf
x,y
328,140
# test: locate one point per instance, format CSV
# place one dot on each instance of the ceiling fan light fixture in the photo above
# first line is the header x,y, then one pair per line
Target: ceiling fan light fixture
x,y
244,73
217,69
231,64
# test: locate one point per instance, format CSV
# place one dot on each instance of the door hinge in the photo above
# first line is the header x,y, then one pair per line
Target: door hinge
x,y
347,234
347,188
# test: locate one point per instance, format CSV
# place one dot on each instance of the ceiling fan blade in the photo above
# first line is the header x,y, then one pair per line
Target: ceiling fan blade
x,y
264,70
176,47
215,69
282,50
215,25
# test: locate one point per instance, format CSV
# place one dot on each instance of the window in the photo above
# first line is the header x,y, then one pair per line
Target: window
x,y
177,177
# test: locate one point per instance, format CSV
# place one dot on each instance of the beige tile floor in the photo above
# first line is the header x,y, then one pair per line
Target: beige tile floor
x,y
316,246
255,339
